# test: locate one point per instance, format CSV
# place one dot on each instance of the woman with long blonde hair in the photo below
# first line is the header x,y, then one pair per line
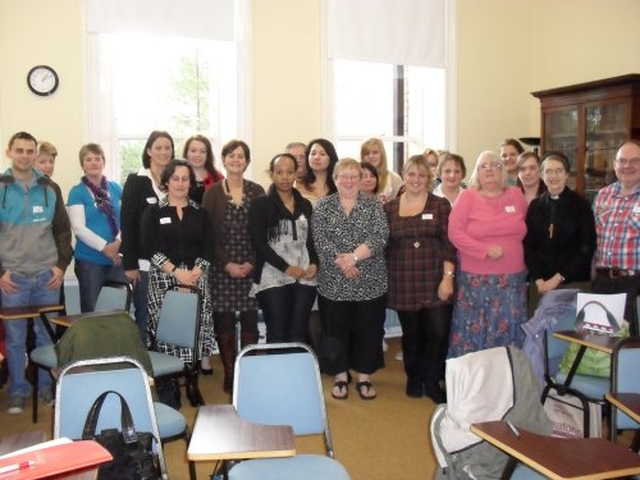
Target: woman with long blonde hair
x,y
389,182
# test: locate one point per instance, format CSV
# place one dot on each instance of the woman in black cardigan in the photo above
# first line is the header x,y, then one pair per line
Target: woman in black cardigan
x,y
561,234
286,260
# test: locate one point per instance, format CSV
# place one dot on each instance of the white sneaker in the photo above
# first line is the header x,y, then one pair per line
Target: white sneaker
x,y
15,405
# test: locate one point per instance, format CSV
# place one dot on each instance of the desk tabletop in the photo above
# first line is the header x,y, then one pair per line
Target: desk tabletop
x,y
68,320
29,311
629,403
562,458
220,434
603,343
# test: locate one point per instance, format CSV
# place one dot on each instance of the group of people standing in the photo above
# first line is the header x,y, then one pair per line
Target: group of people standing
x,y
461,266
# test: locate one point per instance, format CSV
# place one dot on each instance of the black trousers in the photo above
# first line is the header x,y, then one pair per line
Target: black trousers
x,y
286,312
425,340
352,334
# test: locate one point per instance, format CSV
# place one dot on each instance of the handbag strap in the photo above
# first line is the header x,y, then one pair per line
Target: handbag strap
x,y
129,434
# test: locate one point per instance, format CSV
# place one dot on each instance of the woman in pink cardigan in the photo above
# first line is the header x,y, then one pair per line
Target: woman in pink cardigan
x,y
487,226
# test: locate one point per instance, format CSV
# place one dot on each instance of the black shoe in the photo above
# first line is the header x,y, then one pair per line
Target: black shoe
x,y
206,371
435,393
414,388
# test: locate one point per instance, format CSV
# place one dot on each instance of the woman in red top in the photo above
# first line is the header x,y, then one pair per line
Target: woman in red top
x,y
199,153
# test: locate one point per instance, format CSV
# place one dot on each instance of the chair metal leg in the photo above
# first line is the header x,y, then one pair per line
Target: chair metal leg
x,y
34,394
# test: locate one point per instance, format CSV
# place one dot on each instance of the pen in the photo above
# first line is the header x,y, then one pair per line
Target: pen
x,y
17,466
514,429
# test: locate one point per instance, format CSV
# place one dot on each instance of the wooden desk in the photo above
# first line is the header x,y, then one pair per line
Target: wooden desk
x,y
220,434
68,320
603,343
32,312
560,458
628,403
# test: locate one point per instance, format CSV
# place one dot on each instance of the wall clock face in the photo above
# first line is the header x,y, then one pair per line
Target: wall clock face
x,y
43,80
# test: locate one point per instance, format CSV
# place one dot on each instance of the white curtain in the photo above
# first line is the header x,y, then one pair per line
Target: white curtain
x,y
205,19
401,32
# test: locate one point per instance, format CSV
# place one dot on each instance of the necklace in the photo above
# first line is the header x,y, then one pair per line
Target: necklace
x,y
415,219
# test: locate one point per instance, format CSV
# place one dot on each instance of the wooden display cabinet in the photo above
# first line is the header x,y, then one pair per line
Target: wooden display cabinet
x,y
587,122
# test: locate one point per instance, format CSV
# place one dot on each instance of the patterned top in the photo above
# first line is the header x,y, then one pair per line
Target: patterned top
x,y
281,238
232,244
334,232
618,228
418,246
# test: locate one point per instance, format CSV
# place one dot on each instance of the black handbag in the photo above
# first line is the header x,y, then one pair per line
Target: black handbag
x,y
133,456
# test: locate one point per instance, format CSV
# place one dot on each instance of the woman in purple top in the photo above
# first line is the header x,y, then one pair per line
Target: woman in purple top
x,y
487,226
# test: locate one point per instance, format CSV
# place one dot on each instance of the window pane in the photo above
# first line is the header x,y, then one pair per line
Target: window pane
x,y
365,105
150,82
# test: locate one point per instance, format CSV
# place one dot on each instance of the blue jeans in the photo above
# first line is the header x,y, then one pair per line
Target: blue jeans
x,y
141,306
91,277
31,291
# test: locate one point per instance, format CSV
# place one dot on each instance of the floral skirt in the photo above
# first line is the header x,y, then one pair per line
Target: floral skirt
x,y
489,312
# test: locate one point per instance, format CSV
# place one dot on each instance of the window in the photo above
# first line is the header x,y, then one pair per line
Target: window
x,y
387,76
404,106
149,74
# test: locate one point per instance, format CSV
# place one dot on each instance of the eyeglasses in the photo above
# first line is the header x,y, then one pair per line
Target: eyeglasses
x,y
490,166
632,162
349,177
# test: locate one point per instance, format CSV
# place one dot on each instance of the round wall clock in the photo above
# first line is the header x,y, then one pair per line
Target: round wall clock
x,y
43,80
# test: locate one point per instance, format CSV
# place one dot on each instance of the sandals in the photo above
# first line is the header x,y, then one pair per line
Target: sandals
x,y
343,389
365,390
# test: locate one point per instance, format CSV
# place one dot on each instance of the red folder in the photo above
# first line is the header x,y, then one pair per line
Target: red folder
x,y
54,459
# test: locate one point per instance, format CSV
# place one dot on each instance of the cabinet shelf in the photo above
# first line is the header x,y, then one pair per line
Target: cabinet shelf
x,y
612,103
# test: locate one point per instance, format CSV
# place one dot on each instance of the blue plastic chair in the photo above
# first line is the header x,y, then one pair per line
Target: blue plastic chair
x,y
179,326
282,386
113,296
625,380
79,385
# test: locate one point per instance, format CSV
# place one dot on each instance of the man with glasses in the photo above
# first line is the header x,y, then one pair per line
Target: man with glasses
x,y
617,212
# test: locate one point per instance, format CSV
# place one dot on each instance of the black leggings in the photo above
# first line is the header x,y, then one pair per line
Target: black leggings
x,y
225,322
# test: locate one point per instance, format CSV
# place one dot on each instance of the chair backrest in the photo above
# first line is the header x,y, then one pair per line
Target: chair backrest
x,y
555,347
114,296
281,385
179,321
625,378
81,383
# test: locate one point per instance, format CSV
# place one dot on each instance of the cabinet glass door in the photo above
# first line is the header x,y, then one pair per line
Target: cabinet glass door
x,y
561,135
605,129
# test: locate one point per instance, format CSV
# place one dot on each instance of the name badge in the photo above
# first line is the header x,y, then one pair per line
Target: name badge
x,y
165,220
152,200
510,209
636,209
427,216
38,209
